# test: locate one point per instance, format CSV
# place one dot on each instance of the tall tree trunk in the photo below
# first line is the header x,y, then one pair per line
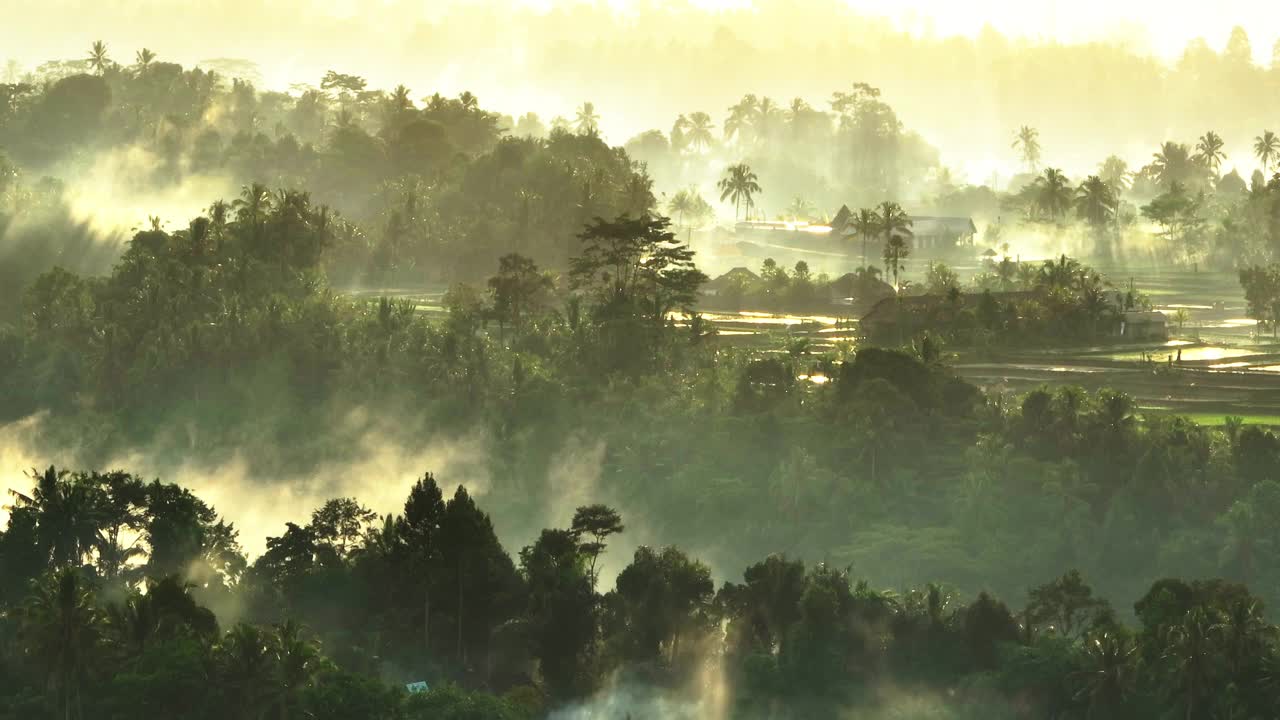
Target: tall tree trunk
x,y
460,655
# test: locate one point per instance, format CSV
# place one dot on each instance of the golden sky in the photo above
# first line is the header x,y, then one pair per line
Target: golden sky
x,y
644,61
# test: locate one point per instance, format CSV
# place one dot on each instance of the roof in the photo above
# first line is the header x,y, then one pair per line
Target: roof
x,y
929,225
1149,316
841,221
723,280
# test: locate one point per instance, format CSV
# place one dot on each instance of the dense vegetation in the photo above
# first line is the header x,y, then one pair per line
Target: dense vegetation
x,y
877,457
110,580
571,322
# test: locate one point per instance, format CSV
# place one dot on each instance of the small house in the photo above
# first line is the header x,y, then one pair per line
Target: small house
x,y
736,277
1143,325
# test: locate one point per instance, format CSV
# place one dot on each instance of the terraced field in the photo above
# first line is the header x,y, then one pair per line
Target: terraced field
x,y
1215,365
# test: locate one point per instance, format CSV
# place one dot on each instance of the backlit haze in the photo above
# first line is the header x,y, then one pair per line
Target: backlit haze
x,y
964,75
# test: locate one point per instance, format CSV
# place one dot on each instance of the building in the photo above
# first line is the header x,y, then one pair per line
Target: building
x,y
930,235
941,234
736,277
1143,325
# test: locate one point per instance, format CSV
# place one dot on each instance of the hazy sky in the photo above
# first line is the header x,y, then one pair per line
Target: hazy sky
x,y
194,29
642,61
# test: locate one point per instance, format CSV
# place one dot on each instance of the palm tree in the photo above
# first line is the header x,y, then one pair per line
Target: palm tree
x,y
252,206
98,59
144,58
865,224
1267,148
1174,163
297,663
1095,202
1108,674
1053,194
67,513
60,630
246,661
680,204
1209,152
796,113
1061,273
1245,633
587,122
800,209
767,118
400,101
1028,141
1114,171
679,134
1192,659
741,117
698,131
739,184
896,226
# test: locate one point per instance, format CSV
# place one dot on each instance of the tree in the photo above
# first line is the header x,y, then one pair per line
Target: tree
x,y
1262,294
486,588
1209,152
398,107
1096,202
1067,604
518,291
587,121
801,209
1108,673
298,663
767,119
1175,164
143,59
896,226
690,210
562,613
1027,140
66,510
98,59
1053,195
742,118
339,524
246,666
865,225
530,125
1178,214
636,266
739,184
664,596
1114,171
698,132
60,630
1266,147
940,279
419,529
599,522
1191,660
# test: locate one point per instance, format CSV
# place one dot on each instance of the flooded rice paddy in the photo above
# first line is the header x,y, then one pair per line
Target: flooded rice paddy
x,y
1226,366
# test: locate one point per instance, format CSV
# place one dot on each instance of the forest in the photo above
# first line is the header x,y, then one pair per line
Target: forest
x,y
704,528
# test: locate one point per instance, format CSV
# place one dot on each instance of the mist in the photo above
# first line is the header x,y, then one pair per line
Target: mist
x,y
727,359
1094,83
